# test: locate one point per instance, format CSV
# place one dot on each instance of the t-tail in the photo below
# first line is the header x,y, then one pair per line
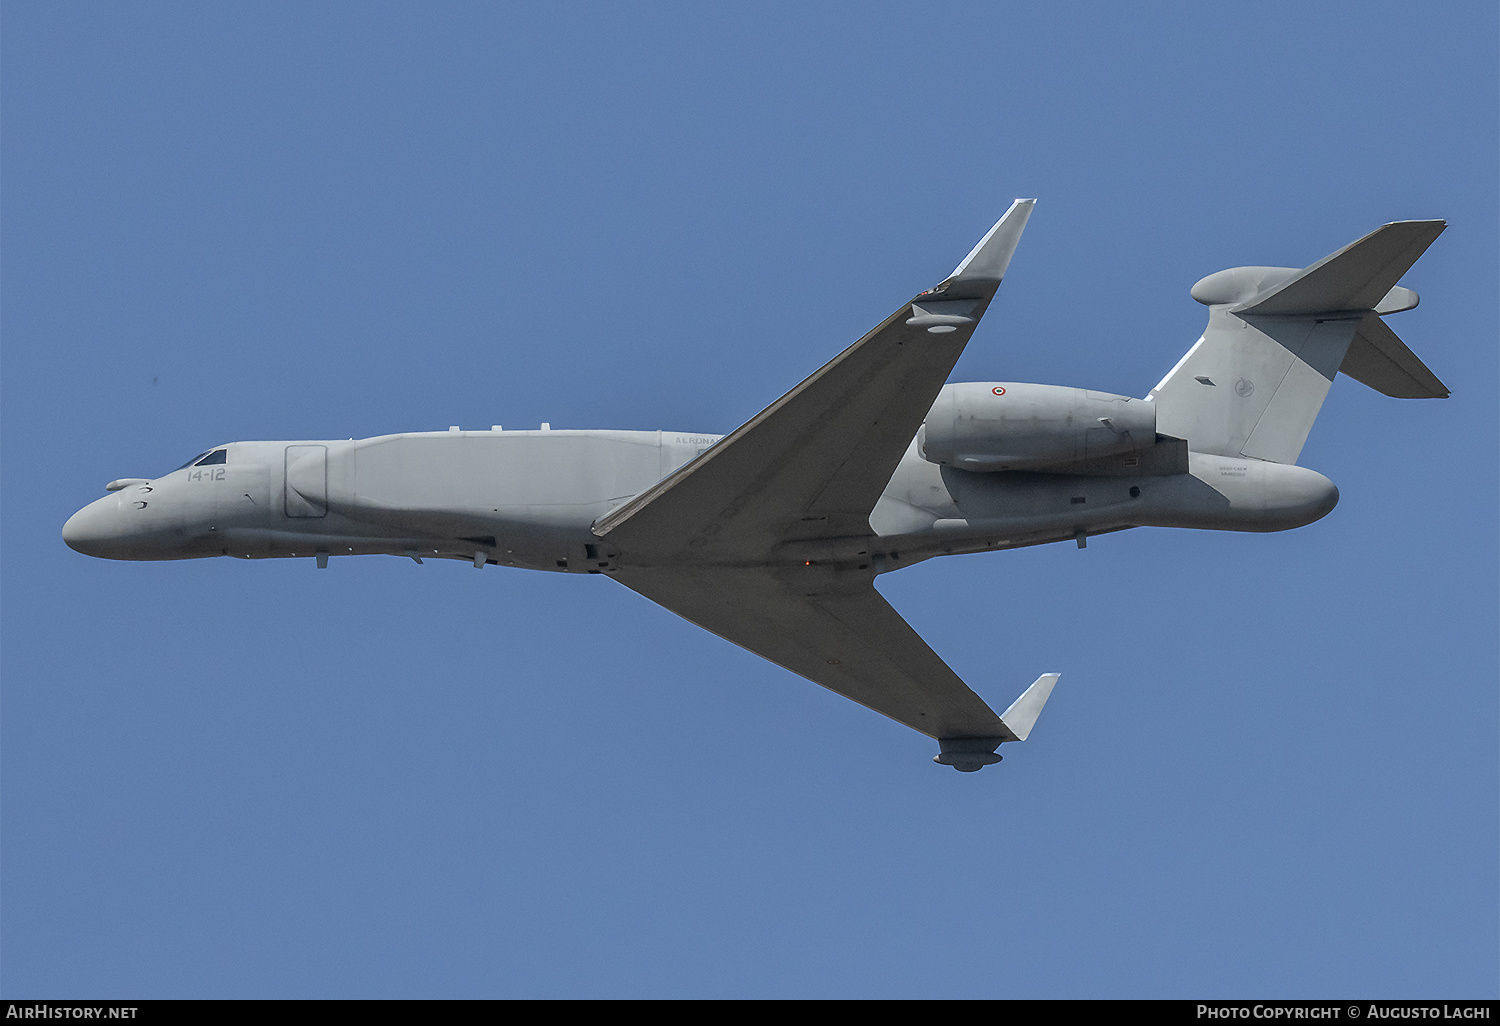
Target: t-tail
x,y
1276,338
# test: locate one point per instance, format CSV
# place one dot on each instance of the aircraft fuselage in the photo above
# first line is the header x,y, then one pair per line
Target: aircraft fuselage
x,y
530,498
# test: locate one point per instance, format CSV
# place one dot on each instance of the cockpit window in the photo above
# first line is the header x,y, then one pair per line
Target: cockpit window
x,y
207,459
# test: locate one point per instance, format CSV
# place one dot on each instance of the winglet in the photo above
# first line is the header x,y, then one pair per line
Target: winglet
x,y
985,265
1022,714
967,754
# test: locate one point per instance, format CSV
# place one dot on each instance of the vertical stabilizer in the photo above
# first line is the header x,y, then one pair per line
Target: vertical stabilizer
x,y
1276,338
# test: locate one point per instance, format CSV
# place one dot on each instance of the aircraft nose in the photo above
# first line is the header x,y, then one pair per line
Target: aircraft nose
x,y
93,529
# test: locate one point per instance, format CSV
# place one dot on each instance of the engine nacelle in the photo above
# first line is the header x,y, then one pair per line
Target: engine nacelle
x,y
991,426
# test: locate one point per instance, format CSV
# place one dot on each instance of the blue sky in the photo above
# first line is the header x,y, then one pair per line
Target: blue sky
x,y
1270,768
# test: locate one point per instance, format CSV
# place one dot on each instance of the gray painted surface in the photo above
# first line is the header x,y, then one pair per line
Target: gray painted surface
x,y
772,536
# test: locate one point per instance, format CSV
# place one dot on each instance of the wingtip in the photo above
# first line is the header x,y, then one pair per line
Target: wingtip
x,y
1023,712
1016,205
988,260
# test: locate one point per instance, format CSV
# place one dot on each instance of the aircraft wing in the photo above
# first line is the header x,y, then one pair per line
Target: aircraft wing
x,y
814,462
710,541
836,630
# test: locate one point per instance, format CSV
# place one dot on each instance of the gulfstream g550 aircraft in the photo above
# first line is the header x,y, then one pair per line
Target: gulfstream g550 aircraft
x,y
772,536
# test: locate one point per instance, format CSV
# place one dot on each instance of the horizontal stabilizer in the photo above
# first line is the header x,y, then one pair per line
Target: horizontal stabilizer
x,y
1377,358
1358,277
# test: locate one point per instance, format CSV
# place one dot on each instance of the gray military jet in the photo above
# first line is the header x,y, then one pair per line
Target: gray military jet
x,y
772,536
